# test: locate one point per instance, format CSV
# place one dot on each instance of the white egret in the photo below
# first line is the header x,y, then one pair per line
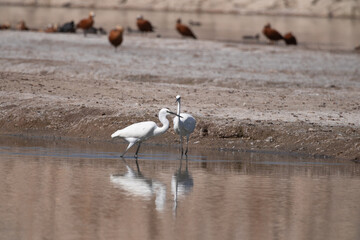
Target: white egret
x,y
140,132
184,125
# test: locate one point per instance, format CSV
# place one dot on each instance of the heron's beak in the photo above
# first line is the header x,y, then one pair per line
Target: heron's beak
x,y
174,114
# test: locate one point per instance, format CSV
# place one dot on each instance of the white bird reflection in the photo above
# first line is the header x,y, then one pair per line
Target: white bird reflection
x,y
134,183
181,183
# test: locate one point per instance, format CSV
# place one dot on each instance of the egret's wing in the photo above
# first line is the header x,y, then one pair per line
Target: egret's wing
x,y
137,130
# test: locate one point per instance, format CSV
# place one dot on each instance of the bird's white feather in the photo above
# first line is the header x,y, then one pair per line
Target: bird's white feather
x,y
186,125
141,130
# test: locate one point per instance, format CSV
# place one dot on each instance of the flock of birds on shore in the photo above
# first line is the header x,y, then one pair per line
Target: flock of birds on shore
x,y
184,124
115,36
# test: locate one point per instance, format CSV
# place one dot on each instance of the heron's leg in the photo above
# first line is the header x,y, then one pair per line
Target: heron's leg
x,y
129,146
180,163
187,144
137,150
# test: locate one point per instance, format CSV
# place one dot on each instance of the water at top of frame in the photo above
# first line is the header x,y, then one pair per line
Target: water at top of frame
x,y
323,33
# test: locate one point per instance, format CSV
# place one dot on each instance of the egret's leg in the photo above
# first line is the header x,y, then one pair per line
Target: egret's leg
x,y
187,144
137,165
137,150
129,146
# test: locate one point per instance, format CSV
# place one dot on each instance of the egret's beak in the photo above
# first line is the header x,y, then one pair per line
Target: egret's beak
x,y
174,114
177,100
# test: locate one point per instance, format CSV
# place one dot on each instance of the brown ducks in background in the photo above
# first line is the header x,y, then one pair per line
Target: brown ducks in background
x,y
68,27
290,39
184,30
5,26
271,33
86,23
116,36
22,26
51,28
144,25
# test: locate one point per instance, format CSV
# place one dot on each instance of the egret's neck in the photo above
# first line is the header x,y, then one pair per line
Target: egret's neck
x,y
164,127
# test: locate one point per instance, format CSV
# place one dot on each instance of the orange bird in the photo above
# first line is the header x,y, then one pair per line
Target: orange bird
x,y
271,33
144,25
86,23
184,30
116,36
290,39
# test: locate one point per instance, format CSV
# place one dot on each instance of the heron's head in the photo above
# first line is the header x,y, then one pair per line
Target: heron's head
x,y
92,14
178,20
140,17
178,98
267,25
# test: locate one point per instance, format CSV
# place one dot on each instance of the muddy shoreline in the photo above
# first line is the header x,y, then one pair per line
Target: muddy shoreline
x,y
245,97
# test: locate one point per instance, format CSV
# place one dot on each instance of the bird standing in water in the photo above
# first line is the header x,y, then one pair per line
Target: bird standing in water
x,y
86,23
184,30
140,132
144,25
184,125
116,36
271,33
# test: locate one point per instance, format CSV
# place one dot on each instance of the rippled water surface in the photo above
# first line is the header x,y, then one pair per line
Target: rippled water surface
x,y
310,32
71,190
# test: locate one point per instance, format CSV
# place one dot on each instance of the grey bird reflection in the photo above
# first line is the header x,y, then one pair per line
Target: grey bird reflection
x,y
134,183
182,183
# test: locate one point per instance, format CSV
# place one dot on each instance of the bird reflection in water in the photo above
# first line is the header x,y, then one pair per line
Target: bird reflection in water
x,y
181,183
134,183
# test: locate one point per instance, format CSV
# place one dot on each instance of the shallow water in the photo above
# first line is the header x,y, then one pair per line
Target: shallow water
x,y
71,190
321,33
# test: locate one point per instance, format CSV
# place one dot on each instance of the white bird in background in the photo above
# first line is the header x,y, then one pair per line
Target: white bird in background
x,y
183,126
140,132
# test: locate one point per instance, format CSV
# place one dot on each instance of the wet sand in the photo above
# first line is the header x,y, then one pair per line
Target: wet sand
x,y
244,96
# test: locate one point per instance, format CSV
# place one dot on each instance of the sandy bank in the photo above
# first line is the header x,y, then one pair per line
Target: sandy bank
x,y
244,96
